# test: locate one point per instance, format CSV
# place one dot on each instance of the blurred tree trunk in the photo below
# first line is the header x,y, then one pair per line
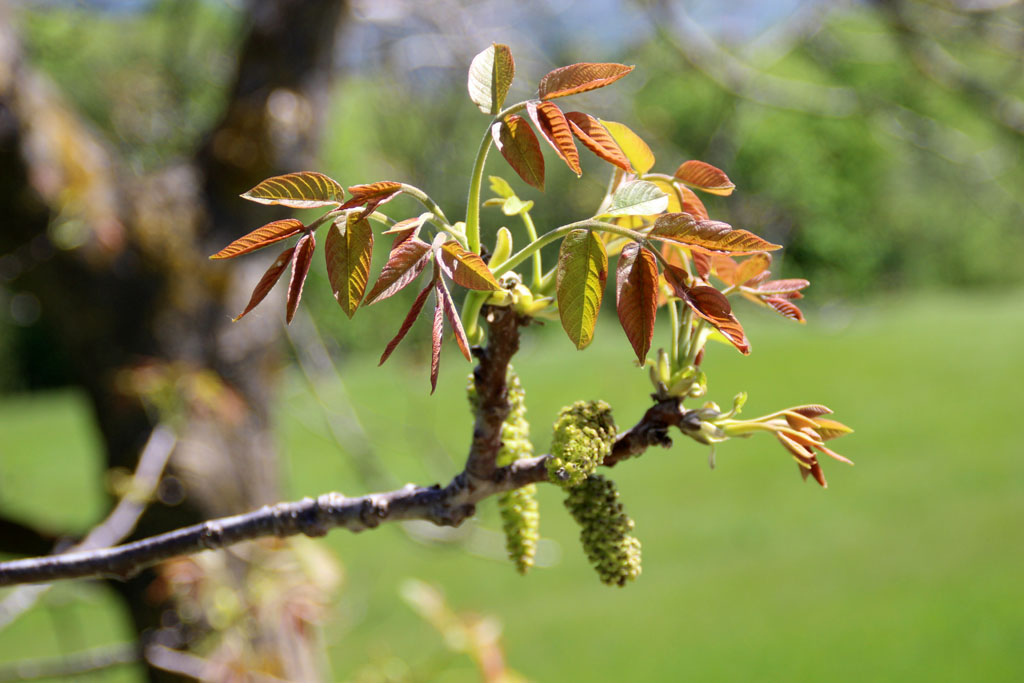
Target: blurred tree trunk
x,y
135,286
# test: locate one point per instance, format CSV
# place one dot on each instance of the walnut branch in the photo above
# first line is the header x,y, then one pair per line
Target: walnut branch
x,y
445,506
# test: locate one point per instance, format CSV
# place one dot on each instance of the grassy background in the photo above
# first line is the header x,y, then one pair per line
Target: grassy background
x,y
906,568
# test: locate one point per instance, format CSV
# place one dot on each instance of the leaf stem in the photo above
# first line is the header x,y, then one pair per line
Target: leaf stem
x,y
549,237
440,220
538,265
673,316
476,180
473,203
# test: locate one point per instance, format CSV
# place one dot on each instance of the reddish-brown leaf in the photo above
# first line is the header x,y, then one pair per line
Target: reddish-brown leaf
x,y
553,125
692,203
373,195
784,308
711,305
452,314
301,259
782,286
410,318
302,190
702,264
436,337
710,236
705,177
577,78
409,255
753,266
267,282
261,237
466,268
811,410
597,139
348,250
517,143
636,296
724,267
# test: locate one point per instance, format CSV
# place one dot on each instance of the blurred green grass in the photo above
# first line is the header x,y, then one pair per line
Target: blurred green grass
x,y
906,568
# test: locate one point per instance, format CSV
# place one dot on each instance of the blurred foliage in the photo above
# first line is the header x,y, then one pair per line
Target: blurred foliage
x,y
152,80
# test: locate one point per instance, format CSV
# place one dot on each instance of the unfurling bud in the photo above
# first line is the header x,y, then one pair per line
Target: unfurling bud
x,y
584,434
605,530
502,248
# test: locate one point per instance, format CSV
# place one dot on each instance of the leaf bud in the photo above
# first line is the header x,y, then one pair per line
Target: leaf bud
x,y
502,247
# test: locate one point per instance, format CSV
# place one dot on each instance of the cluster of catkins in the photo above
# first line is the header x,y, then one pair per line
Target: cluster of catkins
x,y
520,517
584,434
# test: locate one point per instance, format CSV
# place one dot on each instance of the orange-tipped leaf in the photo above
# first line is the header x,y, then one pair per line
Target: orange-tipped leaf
x,y
261,237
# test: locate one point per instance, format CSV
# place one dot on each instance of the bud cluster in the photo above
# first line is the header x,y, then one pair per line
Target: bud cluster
x,y
605,530
584,434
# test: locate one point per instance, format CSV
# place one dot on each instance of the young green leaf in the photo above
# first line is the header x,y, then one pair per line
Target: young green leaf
x,y
582,271
450,312
410,318
302,190
597,139
513,206
267,282
373,195
636,296
349,249
553,125
577,78
705,177
709,236
409,255
638,198
490,75
301,259
519,146
500,187
261,237
635,149
466,268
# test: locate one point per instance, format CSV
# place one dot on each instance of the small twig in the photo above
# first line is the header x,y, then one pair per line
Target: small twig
x,y
198,668
118,524
67,666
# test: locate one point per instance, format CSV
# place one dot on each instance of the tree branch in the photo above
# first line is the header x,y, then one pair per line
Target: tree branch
x,y
447,506
490,378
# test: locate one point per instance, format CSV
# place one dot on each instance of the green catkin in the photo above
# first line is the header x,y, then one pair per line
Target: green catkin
x,y
520,517
605,530
584,434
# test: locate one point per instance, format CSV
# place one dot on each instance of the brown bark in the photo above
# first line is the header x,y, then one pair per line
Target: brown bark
x,y
139,286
